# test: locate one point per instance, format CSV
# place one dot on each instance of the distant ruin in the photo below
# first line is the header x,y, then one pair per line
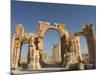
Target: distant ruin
x,y
69,46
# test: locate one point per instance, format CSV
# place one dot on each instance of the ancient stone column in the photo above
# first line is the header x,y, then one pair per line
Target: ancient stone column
x,y
31,61
75,47
16,44
17,53
88,31
12,50
68,53
79,56
64,46
91,48
74,50
33,55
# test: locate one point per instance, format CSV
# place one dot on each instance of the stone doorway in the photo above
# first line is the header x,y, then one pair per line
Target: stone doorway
x,y
43,27
52,52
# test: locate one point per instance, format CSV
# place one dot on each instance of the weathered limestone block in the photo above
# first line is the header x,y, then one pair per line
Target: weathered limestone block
x,y
43,26
81,66
60,26
37,56
17,54
34,63
33,55
19,30
13,51
77,50
71,54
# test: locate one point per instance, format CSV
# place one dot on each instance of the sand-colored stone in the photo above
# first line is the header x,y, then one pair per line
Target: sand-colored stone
x,y
69,45
56,53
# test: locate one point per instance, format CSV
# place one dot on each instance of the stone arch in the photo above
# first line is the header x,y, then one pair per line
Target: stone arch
x,y
24,61
56,41
88,33
19,41
69,43
60,28
18,38
44,26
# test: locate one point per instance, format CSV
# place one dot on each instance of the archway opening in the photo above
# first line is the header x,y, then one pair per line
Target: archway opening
x,y
84,49
52,47
23,55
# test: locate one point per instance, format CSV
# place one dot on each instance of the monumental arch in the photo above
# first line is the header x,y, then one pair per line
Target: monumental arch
x,y
19,38
70,45
60,28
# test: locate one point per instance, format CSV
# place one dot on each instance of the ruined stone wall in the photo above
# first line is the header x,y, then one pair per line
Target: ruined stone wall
x,y
70,45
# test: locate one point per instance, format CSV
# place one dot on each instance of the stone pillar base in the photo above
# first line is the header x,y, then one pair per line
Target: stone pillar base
x,y
80,66
13,66
34,66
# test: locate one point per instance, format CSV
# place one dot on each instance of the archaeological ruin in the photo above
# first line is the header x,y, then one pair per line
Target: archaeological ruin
x,y
70,56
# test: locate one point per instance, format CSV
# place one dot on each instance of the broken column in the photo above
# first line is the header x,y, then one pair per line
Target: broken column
x,y
16,43
88,31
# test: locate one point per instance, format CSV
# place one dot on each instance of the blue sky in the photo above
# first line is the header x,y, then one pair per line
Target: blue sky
x,y
73,16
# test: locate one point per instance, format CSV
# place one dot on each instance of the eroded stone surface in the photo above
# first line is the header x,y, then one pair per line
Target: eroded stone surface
x,y
69,47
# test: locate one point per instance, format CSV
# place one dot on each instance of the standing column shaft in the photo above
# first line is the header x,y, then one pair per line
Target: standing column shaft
x,y
78,48
13,51
88,31
17,53
92,49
